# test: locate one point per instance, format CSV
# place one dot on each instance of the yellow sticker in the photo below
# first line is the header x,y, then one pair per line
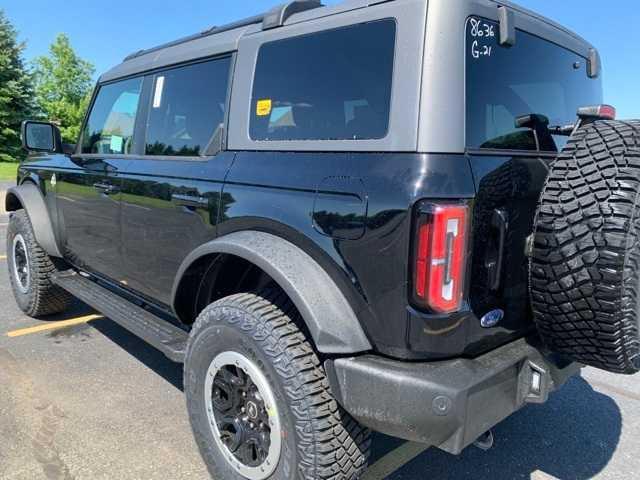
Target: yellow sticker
x,y
264,107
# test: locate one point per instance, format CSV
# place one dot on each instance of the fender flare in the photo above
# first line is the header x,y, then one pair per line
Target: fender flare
x,y
29,197
325,310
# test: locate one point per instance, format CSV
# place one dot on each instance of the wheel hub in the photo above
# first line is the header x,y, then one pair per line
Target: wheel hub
x,y
252,410
242,414
21,267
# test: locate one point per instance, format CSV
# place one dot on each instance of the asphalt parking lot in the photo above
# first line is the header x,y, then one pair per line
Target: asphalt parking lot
x,y
87,400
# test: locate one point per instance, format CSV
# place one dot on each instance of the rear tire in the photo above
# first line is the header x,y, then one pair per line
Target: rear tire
x,y
585,268
30,270
319,440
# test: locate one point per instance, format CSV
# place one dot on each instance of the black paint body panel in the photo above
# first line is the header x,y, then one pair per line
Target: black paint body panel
x,y
511,185
351,212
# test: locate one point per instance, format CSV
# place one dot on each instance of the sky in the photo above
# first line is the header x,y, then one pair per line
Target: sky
x,y
105,32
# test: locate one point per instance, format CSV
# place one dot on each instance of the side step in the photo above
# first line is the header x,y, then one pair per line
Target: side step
x,y
169,339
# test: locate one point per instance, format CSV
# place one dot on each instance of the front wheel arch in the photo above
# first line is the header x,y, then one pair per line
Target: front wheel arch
x,y
29,197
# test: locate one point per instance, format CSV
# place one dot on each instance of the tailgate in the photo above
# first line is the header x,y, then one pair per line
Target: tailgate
x,y
508,190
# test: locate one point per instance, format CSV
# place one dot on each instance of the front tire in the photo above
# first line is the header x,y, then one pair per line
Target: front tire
x,y
258,398
30,270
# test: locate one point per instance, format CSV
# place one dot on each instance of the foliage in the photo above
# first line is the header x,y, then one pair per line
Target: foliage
x,y
8,171
16,92
63,87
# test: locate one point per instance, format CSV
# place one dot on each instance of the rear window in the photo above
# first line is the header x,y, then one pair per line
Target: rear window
x,y
534,76
188,108
332,85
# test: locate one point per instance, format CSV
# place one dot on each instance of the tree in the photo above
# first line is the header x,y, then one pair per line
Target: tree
x,y
16,91
63,83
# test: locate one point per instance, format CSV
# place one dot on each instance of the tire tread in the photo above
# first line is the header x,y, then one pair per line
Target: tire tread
x,y
46,298
584,272
332,445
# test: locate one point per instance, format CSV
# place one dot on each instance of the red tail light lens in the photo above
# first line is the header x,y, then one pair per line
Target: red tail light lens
x,y
440,256
608,112
602,112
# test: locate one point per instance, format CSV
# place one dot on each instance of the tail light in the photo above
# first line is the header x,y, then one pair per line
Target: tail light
x,y
599,112
440,256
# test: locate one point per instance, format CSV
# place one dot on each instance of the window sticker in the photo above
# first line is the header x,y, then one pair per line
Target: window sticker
x,y
282,117
116,144
264,107
157,96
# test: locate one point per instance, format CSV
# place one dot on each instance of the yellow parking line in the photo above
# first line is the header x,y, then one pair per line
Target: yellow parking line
x,y
3,257
53,326
394,460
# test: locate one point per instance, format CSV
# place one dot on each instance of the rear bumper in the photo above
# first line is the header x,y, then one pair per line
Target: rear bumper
x,y
447,404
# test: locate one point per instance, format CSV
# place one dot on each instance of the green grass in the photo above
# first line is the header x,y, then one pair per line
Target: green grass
x,y
8,171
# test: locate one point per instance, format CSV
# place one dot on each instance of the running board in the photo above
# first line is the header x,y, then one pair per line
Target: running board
x,y
168,338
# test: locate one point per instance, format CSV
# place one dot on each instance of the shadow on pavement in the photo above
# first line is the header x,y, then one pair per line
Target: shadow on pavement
x,y
143,352
75,310
573,436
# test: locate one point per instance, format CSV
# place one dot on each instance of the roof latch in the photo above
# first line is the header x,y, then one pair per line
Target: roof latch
x,y
278,15
507,27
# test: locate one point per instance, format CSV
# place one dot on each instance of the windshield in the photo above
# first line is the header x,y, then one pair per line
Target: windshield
x,y
534,76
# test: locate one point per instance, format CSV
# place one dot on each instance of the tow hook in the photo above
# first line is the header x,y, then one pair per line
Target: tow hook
x,y
484,441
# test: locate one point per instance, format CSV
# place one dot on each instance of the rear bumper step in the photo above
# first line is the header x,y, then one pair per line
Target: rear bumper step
x,y
156,331
446,404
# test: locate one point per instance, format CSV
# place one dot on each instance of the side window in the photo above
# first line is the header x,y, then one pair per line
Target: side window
x,y
188,108
332,85
109,129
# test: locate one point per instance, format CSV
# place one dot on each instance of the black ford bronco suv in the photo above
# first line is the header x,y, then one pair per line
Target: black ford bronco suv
x,y
407,216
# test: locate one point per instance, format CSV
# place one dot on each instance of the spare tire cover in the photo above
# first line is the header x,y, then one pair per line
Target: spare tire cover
x,y
585,263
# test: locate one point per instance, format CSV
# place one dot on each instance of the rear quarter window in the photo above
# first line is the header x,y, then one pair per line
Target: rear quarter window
x,y
331,85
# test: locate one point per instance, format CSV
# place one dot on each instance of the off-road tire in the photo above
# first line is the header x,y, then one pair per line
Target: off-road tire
x,y
320,440
585,266
43,297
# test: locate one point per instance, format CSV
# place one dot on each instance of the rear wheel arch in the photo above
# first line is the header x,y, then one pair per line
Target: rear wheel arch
x,y
327,314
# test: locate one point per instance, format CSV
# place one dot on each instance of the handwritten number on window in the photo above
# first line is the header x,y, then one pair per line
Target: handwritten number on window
x,y
481,31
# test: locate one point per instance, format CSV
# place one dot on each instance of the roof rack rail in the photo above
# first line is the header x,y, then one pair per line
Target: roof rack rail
x,y
274,18
278,15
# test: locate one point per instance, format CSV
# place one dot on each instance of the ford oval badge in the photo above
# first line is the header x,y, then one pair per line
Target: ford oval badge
x,y
491,319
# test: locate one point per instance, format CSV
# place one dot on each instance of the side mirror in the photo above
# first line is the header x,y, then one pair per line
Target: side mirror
x,y
41,137
69,148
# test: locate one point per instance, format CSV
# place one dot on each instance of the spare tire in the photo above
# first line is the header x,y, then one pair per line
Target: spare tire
x,y
585,263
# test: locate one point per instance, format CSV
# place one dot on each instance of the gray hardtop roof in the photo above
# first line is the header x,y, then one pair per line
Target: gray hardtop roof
x,y
225,39
209,43
542,18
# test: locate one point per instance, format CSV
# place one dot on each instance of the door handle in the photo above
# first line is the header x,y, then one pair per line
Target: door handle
x,y
495,253
189,201
106,188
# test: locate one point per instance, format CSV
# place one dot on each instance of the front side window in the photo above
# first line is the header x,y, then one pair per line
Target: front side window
x,y
109,129
332,85
534,76
187,108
